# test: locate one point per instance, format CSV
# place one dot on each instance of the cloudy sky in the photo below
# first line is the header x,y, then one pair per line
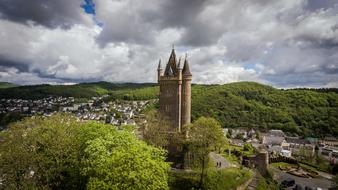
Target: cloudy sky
x,y
284,43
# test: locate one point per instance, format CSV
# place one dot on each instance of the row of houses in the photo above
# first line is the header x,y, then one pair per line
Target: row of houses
x,y
113,112
277,143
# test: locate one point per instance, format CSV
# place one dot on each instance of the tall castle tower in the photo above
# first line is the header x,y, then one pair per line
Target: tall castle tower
x,y
175,91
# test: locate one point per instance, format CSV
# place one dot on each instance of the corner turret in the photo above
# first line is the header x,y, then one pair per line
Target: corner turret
x,y
186,69
159,71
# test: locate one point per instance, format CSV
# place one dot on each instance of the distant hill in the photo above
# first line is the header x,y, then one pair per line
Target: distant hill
x,y
83,90
248,104
7,85
310,112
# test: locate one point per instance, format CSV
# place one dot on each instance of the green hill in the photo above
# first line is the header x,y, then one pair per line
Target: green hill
x,y
243,104
310,112
247,104
7,85
83,90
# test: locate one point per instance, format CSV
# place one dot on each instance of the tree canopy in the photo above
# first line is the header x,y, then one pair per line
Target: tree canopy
x,y
204,135
62,153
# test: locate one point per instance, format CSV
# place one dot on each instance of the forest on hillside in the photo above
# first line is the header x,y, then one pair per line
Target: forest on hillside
x,y
308,112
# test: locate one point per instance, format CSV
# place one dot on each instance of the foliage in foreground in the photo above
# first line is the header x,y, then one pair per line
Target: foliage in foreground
x,y
61,153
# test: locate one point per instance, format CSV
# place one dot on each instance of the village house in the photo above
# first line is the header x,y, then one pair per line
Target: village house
x,y
297,146
329,141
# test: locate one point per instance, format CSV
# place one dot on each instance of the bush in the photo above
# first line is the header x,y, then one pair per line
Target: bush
x,y
183,181
248,147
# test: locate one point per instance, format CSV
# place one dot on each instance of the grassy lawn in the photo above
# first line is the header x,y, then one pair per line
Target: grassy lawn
x,y
284,165
224,179
239,149
231,158
320,167
229,178
308,167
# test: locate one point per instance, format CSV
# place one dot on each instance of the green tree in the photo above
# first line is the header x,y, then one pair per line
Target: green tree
x,y
204,135
158,131
61,153
120,161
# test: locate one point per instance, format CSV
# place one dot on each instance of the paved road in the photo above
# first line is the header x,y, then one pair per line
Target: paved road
x,y
218,158
311,182
325,175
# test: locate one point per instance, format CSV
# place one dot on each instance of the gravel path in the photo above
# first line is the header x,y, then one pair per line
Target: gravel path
x,y
219,159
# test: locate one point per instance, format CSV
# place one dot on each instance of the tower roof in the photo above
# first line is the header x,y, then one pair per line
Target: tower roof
x,y
186,69
171,65
168,71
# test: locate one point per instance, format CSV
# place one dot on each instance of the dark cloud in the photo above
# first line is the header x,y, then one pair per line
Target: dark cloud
x,y
136,23
177,13
316,79
313,5
4,62
49,13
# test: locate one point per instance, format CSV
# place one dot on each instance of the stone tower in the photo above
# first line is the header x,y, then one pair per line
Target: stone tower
x,y
175,91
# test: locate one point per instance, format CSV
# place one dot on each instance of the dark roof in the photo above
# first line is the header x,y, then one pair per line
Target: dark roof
x,y
168,71
296,140
330,139
171,68
277,133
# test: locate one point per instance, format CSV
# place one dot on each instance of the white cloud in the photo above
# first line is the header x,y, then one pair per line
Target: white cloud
x,y
278,38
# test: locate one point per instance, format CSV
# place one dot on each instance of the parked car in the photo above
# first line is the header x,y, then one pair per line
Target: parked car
x,y
288,183
298,187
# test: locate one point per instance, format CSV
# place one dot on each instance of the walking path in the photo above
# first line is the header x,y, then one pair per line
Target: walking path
x,y
250,184
254,181
325,175
219,159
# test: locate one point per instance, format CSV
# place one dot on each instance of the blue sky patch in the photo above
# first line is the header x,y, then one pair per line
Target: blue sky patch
x,y
89,7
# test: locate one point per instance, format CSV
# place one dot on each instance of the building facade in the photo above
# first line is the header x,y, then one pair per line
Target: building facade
x,y
175,92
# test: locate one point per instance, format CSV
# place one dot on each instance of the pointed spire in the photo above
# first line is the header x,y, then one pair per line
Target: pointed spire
x,y
171,65
168,71
159,65
186,69
172,58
